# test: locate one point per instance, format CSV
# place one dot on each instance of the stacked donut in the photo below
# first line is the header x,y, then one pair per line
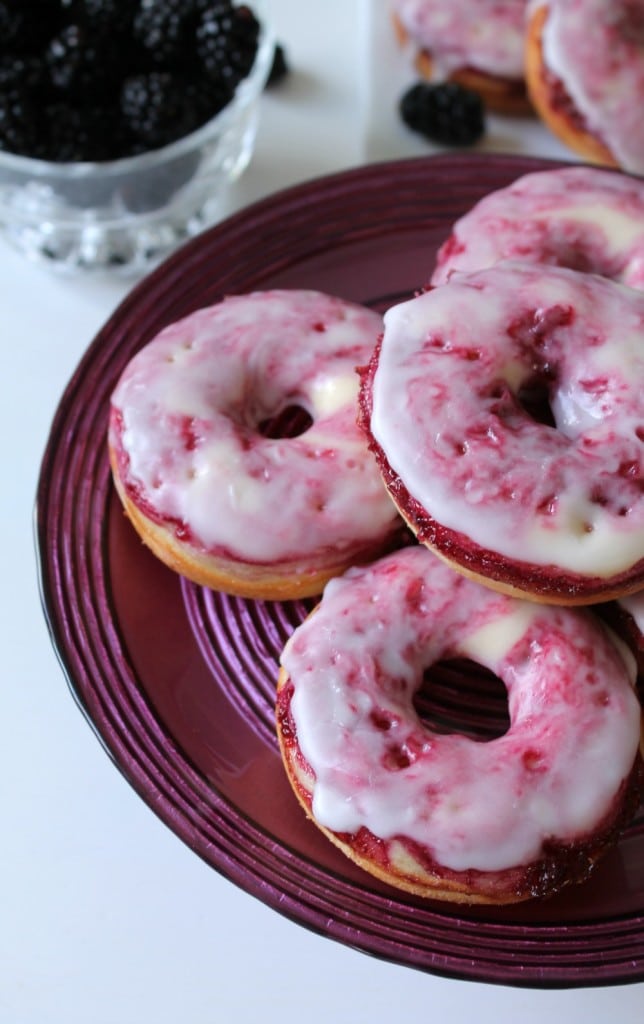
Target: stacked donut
x,y
477,45
578,63
504,409
456,477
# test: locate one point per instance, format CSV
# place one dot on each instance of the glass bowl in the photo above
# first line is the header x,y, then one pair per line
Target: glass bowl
x,y
127,214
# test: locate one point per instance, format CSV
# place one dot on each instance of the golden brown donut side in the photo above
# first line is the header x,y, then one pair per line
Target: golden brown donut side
x,y
394,862
558,117
500,95
286,581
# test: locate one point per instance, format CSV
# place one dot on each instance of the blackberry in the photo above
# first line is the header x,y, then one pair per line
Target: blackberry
x,y
445,113
165,31
74,133
65,57
21,73
13,23
83,63
279,67
156,108
25,25
226,42
18,124
113,16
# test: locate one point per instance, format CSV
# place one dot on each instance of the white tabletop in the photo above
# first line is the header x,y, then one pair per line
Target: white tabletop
x,y
106,916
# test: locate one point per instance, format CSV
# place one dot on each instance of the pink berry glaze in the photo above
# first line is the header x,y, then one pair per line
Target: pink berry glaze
x,y
551,508
517,816
593,52
186,429
485,35
578,217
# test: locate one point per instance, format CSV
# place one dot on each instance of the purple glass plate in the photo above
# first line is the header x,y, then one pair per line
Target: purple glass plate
x,y
178,682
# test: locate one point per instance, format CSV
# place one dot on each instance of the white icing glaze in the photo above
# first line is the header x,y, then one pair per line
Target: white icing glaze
x,y
446,413
188,408
359,659
581,217
596,49
487,35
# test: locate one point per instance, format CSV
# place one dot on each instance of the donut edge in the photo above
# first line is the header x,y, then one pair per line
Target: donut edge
x,y
507,576
280,582
505,96
582,142
540,880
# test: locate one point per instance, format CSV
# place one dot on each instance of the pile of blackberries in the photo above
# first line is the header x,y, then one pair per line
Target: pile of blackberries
x,y
103,79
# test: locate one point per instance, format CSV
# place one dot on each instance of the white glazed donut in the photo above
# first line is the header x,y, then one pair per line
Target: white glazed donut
x,y
585,76
215,498
478,43
548,510
441,814
578,217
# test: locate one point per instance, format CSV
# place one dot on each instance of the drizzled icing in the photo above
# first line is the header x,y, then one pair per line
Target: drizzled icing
x,y
185,424
596,50
579,217
455,365
487,35
556,774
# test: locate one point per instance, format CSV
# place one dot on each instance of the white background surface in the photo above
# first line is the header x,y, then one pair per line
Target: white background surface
x,y
106,917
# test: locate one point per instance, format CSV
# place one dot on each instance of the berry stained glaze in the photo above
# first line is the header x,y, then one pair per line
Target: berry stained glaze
x,y
486,35
554,509
578,217
507,819
595,50
186,418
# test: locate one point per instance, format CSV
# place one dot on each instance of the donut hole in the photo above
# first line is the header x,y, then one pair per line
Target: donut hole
x,y
460,696
291,421
534,398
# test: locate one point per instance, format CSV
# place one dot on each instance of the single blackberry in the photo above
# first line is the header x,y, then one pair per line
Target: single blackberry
x,y
23,73
205,99
80,133
19,128
13,25
65,57
226,42
114,16
156,108
82,63
445,113
165,31
279,67
25,25
66,137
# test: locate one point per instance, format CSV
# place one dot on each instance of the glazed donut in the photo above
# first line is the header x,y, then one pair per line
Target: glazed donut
x,y
505,409
438,813
578,217
585,76
212,496
478,44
